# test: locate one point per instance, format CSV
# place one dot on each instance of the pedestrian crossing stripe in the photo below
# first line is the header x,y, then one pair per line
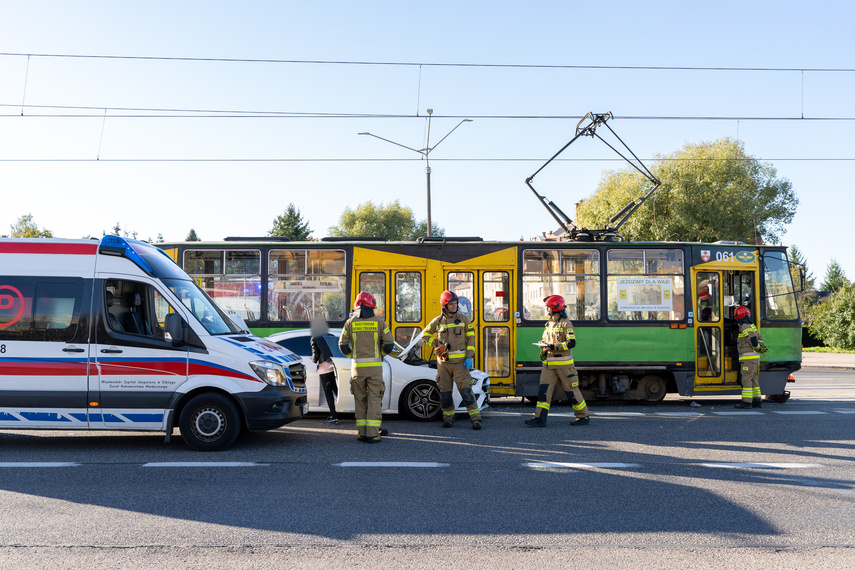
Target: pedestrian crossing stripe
x,y
390,464
559,465
761,465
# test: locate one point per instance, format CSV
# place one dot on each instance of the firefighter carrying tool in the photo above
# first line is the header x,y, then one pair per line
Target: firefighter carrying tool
x,y
363,337
750,345
556,353
454,338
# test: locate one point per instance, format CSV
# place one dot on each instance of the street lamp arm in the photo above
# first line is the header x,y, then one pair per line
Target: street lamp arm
x,y
394,143
427,150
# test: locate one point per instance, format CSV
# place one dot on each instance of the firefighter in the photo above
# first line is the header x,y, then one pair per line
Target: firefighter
x,y
454,338
556,353
366,338
750,345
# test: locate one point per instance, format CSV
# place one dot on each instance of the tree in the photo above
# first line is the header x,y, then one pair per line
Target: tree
x,y
291,225
710,192
833,320
26,228
834,279
192,236
393,222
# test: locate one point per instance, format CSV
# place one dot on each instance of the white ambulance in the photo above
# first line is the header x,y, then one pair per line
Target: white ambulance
x,y
111,334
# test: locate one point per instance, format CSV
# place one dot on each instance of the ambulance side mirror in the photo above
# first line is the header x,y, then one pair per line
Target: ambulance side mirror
x,y
175,329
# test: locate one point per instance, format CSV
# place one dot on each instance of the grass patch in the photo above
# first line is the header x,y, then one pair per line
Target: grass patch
x,y
827,349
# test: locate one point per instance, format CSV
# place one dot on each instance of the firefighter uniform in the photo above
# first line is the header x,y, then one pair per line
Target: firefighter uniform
x,y
367,336
749,344
558,368
455,332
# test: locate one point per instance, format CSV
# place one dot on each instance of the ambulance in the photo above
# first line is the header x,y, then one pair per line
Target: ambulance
x,y
111,334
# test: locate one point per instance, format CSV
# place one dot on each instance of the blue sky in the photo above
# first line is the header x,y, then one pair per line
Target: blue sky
x,y
478,173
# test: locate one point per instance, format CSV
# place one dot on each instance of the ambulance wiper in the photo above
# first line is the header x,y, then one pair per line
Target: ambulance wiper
x,y
587,127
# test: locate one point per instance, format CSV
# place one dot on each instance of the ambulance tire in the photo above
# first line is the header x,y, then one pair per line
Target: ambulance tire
x,y
209,422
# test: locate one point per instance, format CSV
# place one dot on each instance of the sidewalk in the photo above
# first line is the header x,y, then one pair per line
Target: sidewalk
x,y
828,360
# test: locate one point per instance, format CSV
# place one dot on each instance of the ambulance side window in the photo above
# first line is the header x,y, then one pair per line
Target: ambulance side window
x,y
134,308
43,309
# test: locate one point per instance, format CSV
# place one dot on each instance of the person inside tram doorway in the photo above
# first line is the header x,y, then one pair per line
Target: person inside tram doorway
x,y
322,356
750,346
453,336
366,338
556,352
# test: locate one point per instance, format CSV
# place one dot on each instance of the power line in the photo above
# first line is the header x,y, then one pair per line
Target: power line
x,y
429,64
540,159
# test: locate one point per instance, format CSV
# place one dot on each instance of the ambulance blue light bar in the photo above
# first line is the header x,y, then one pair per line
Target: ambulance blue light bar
x,y
115,245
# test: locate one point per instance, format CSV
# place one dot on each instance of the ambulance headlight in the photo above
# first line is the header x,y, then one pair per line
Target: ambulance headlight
x,y
272,373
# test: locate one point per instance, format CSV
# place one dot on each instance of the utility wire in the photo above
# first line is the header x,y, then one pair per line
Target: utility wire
x,y
540,159
429,64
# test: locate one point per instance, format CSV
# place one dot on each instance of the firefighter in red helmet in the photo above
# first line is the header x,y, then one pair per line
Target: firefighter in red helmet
x,y
556,353
750,346
453,336
366,338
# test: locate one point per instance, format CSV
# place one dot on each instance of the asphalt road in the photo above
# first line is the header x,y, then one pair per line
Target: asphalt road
x,y
672,485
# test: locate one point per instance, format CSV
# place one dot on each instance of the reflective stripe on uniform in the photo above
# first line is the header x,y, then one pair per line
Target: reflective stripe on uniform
x,y
544,405
455,354
372,423
361,423
749,356
558,360
578,407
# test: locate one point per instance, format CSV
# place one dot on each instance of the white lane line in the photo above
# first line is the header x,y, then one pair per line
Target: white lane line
x,y
799,412
844,411
390,464
739,413
761,465
550,464
38,464
678,413
204,464
633,414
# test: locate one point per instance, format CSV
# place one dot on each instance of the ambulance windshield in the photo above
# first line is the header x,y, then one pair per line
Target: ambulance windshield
x,y
202,307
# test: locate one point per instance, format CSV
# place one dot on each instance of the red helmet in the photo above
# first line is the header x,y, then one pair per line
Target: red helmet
x,y
365,299
741,312
447,297
555,302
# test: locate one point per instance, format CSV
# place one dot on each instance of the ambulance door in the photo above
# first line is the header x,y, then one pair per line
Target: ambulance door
x,y
137,368
377,283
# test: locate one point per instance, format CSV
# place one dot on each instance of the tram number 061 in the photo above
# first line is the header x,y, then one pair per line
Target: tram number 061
x,y
725,256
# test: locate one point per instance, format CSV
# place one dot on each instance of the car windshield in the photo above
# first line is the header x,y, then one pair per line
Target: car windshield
x,y
202,306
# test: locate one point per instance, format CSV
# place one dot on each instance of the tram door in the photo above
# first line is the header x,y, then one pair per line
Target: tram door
x,y
487,299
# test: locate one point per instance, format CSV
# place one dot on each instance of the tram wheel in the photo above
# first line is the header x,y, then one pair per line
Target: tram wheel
x,y
652,388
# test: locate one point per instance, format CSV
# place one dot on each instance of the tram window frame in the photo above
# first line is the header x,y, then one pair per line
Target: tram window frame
x,y
228,272
769,297
559,282
466,304
402,312
500,313
328,267
646,264
379,297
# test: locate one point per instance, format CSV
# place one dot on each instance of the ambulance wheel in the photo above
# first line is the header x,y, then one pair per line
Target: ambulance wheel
x,y
209,422
420,401
652,388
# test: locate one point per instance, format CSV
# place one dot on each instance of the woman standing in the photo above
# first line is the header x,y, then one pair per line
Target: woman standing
x,y
322,356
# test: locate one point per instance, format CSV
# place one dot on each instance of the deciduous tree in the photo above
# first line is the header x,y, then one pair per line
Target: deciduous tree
x,y
393,222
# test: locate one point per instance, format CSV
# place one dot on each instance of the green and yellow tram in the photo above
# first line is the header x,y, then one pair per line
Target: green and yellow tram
x,y
650,317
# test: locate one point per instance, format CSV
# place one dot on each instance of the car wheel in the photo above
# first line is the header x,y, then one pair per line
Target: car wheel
x,y
209,422
420,401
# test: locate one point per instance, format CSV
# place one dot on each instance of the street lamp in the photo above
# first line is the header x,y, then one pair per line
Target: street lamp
x,y
425,152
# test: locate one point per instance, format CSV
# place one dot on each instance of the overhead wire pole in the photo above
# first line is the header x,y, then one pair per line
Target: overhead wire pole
x,y
425,152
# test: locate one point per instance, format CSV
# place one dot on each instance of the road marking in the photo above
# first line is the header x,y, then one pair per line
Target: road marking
x,y
678,413
634,414
550,464
739,413
203,464
798,412
38,464
761,465
845,411
390,464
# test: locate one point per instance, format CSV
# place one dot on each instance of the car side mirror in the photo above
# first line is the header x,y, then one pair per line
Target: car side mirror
x,y
175,329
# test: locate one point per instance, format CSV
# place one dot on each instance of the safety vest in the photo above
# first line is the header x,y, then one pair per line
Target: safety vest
x,y
454,330
366,337
747,331
557,332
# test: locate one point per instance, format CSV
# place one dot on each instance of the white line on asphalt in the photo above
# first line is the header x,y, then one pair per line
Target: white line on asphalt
x,y
204,464
678,413
739,413
618,414
390,464
761,465
798,412
845,411
38,464
550,464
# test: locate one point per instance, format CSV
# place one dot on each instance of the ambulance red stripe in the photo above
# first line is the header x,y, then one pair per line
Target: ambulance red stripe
x,y
49,248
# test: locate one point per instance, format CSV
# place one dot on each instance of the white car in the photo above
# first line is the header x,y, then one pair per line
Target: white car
x,y
410,381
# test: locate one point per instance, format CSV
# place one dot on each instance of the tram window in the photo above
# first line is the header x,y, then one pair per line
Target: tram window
x,y
405,335
306,283
497,351
778,288
645,284
231,277
463,284
375,283
496,297
408,297
709,351
708,291
572,273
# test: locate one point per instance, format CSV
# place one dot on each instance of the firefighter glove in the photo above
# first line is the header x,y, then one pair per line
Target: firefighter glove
x,y
468,363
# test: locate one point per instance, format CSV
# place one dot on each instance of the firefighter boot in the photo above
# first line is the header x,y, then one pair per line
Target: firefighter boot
x,y
580,422
538,421
476,424
756,403
743,405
